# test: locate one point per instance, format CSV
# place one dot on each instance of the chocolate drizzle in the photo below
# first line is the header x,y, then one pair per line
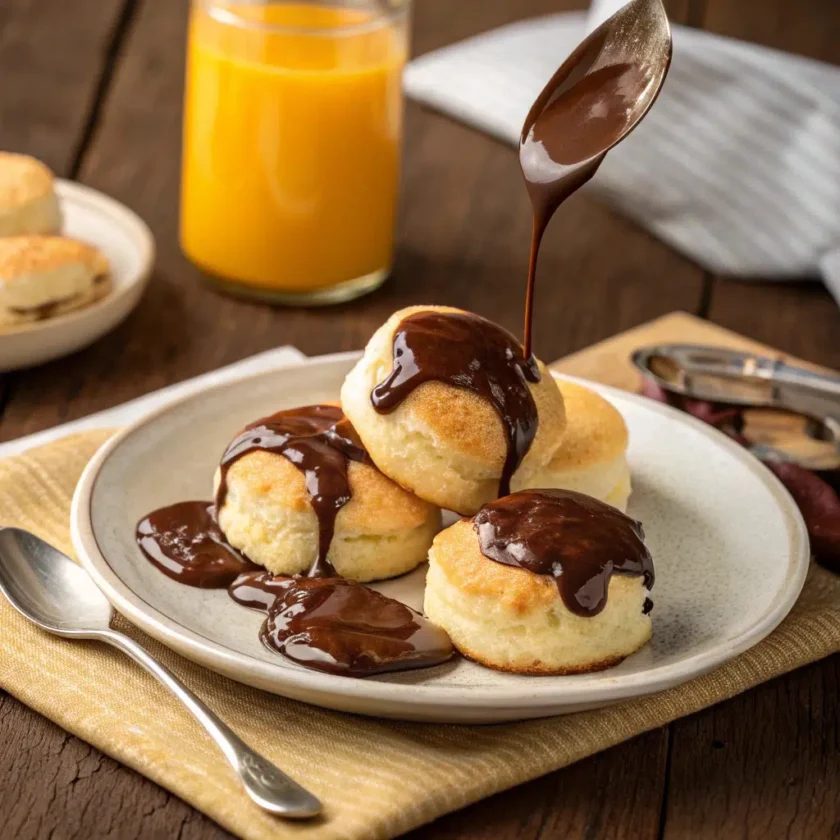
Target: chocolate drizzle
x,y
574,538
185,543
319,440
342,627
258,590
590,103
466,351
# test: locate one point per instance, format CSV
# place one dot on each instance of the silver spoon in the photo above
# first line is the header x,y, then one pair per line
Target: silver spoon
x,y
596,98
49,589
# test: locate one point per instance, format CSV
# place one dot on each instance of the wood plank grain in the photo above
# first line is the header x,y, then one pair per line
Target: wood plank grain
x,y
614,795
806,27
53,785
764,765
50,65
799,318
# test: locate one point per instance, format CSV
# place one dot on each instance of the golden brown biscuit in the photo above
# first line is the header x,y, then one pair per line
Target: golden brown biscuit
x,y
511,619
443,443
28,204
381,532
45,276
592,456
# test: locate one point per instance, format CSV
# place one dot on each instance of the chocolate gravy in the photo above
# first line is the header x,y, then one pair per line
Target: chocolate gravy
x,y
589,104
342,627
319,440
258,590
574,538
184,542
466,351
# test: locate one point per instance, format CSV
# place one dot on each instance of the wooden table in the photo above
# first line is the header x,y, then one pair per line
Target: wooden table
x,y
94,89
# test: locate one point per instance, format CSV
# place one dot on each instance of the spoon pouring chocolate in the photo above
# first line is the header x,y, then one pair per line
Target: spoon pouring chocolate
x,y
598,96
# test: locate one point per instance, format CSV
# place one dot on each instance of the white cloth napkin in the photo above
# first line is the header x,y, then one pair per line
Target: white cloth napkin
x,y
737,165
128,412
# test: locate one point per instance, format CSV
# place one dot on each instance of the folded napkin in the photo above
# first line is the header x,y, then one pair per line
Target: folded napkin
x,y
737,165
377,778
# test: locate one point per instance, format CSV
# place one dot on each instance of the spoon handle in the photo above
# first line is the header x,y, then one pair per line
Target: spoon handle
x,y
268,786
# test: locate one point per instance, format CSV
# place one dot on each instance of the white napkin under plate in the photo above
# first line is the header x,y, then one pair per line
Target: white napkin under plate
x,y
129,412
737,165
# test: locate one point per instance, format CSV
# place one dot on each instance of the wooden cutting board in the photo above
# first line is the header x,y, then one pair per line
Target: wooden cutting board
x,y
609,362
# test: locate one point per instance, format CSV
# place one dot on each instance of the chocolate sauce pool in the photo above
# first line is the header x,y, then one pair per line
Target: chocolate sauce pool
x,y
319,441
340,626
466,351
185,543
575,539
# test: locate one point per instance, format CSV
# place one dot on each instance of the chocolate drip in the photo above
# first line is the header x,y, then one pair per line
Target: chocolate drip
x,y
318,440
466,351
258,590
184,542
587,106
342,627
576,539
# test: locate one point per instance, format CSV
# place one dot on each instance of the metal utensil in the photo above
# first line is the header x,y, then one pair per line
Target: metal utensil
x,y
598,95
741,378
49,589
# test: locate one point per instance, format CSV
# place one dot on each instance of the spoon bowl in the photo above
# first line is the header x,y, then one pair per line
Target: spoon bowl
x,y
598,95
48,588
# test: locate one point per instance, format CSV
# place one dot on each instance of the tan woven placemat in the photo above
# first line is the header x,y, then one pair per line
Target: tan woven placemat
x,y
377,778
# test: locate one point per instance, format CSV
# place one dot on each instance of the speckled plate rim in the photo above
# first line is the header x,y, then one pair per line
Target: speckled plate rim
x,y
142,240
436,702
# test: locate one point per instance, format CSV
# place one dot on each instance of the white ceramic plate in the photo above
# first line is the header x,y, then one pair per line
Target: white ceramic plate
x,y
729,545
126,241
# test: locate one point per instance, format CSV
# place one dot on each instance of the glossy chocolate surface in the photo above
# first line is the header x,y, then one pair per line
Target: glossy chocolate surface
x,y
575,539
466,351
342,627
589,104
319,440
184,542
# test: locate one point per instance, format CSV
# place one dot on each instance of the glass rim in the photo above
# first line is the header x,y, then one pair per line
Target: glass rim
x,y
225,13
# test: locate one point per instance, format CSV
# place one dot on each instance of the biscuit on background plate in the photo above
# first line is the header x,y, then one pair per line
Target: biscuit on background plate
x,y
28,203
45,276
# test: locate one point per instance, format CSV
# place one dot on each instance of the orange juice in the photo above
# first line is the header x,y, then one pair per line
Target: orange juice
x,y
291,146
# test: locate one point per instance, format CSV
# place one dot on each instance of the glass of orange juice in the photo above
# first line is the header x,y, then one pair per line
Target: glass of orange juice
x,y
292,128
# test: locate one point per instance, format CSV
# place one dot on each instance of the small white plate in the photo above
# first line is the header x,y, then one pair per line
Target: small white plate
x,y
126,241
730,549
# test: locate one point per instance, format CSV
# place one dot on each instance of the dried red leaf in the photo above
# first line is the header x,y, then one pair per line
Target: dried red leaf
x,y
817,500
820,508
715,414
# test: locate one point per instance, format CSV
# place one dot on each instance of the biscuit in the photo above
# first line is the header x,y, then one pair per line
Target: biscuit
x,y
512,619
444,443
45,276
592,456
28,203
381,532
